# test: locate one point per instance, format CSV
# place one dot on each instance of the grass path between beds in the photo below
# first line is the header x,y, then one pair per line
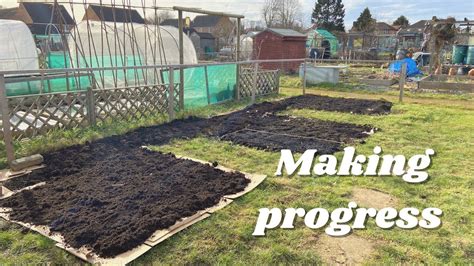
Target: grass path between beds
x,y
445,124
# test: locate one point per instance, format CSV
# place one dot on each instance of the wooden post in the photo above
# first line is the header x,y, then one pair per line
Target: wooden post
x,y
278,81
7,133
403,75
237,59
181,60
207,86
304,77
171,94
91,103
255,82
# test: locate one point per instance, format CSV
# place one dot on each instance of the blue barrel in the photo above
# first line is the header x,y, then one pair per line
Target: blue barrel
x,y
459,53
470,55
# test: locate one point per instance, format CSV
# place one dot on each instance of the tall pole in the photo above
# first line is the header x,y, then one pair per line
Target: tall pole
x,y
181,60
304,77
237,55
403,75
7,133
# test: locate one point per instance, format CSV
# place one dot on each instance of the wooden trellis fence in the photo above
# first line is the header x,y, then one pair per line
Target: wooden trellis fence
x,y
268,81
33,115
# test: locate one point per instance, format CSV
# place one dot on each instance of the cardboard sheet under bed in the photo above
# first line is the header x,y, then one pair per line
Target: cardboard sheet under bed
x,y
156,238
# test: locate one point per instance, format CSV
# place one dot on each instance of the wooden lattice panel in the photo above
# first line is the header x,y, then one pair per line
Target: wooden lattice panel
x,y
34,115
130,103
267,82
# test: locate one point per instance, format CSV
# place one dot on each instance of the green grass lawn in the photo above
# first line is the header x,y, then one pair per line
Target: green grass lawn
x,y
442,122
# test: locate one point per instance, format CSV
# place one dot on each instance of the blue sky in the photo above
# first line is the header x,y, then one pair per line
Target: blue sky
x,y
382,10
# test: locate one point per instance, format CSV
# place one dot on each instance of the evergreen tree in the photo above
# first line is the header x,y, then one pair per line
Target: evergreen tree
x,y
365,22
401,21
329,14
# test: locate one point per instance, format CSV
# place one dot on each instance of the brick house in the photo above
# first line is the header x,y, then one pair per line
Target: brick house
x,y
222,28
280,44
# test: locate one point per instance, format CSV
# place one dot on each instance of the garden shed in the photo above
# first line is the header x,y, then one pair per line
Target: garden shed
x,y
280,44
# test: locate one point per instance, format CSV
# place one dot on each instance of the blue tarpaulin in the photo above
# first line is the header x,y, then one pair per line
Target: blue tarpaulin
x,y
412,69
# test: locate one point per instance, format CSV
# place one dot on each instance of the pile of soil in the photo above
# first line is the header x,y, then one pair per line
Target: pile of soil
x,y
116,202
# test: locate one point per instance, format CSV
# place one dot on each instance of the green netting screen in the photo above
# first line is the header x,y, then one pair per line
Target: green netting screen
x,y
221,79
54,60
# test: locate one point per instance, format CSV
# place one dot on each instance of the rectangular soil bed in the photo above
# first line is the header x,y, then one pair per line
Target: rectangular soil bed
x,y
326,136
116,205
274,133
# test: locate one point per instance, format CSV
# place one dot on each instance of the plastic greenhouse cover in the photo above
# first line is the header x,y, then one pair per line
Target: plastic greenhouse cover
x,y
142,44
17,47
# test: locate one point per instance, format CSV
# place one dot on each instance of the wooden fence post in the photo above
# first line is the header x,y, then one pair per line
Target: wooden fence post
x,y
91,103
171,94
403,75
277,74
238,83
7,133
207,86
304,77
255,82
181,60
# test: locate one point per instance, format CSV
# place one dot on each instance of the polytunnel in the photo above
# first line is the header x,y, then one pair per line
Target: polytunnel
x,y
17,47
108,44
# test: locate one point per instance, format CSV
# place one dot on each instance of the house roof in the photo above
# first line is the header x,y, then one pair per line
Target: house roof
x,y
418,25
170,22
285,32
111,14
205,21
42,13
416,28
205,35
9,13
383,26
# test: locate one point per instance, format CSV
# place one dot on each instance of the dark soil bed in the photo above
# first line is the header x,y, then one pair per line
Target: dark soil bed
x,y
326,136
111,194
355,106
116,203
277,142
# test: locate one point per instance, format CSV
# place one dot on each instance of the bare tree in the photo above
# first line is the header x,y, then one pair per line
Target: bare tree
x,y
281,13
160,17
270,12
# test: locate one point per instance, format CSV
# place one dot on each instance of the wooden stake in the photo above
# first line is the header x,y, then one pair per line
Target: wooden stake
x,y
207,86
255,82
7,133
403,75
181,60
304,77
237,55
171,94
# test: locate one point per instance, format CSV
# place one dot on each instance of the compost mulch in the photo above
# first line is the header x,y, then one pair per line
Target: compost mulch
x,y
276,132
114,205
355,106
111,194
